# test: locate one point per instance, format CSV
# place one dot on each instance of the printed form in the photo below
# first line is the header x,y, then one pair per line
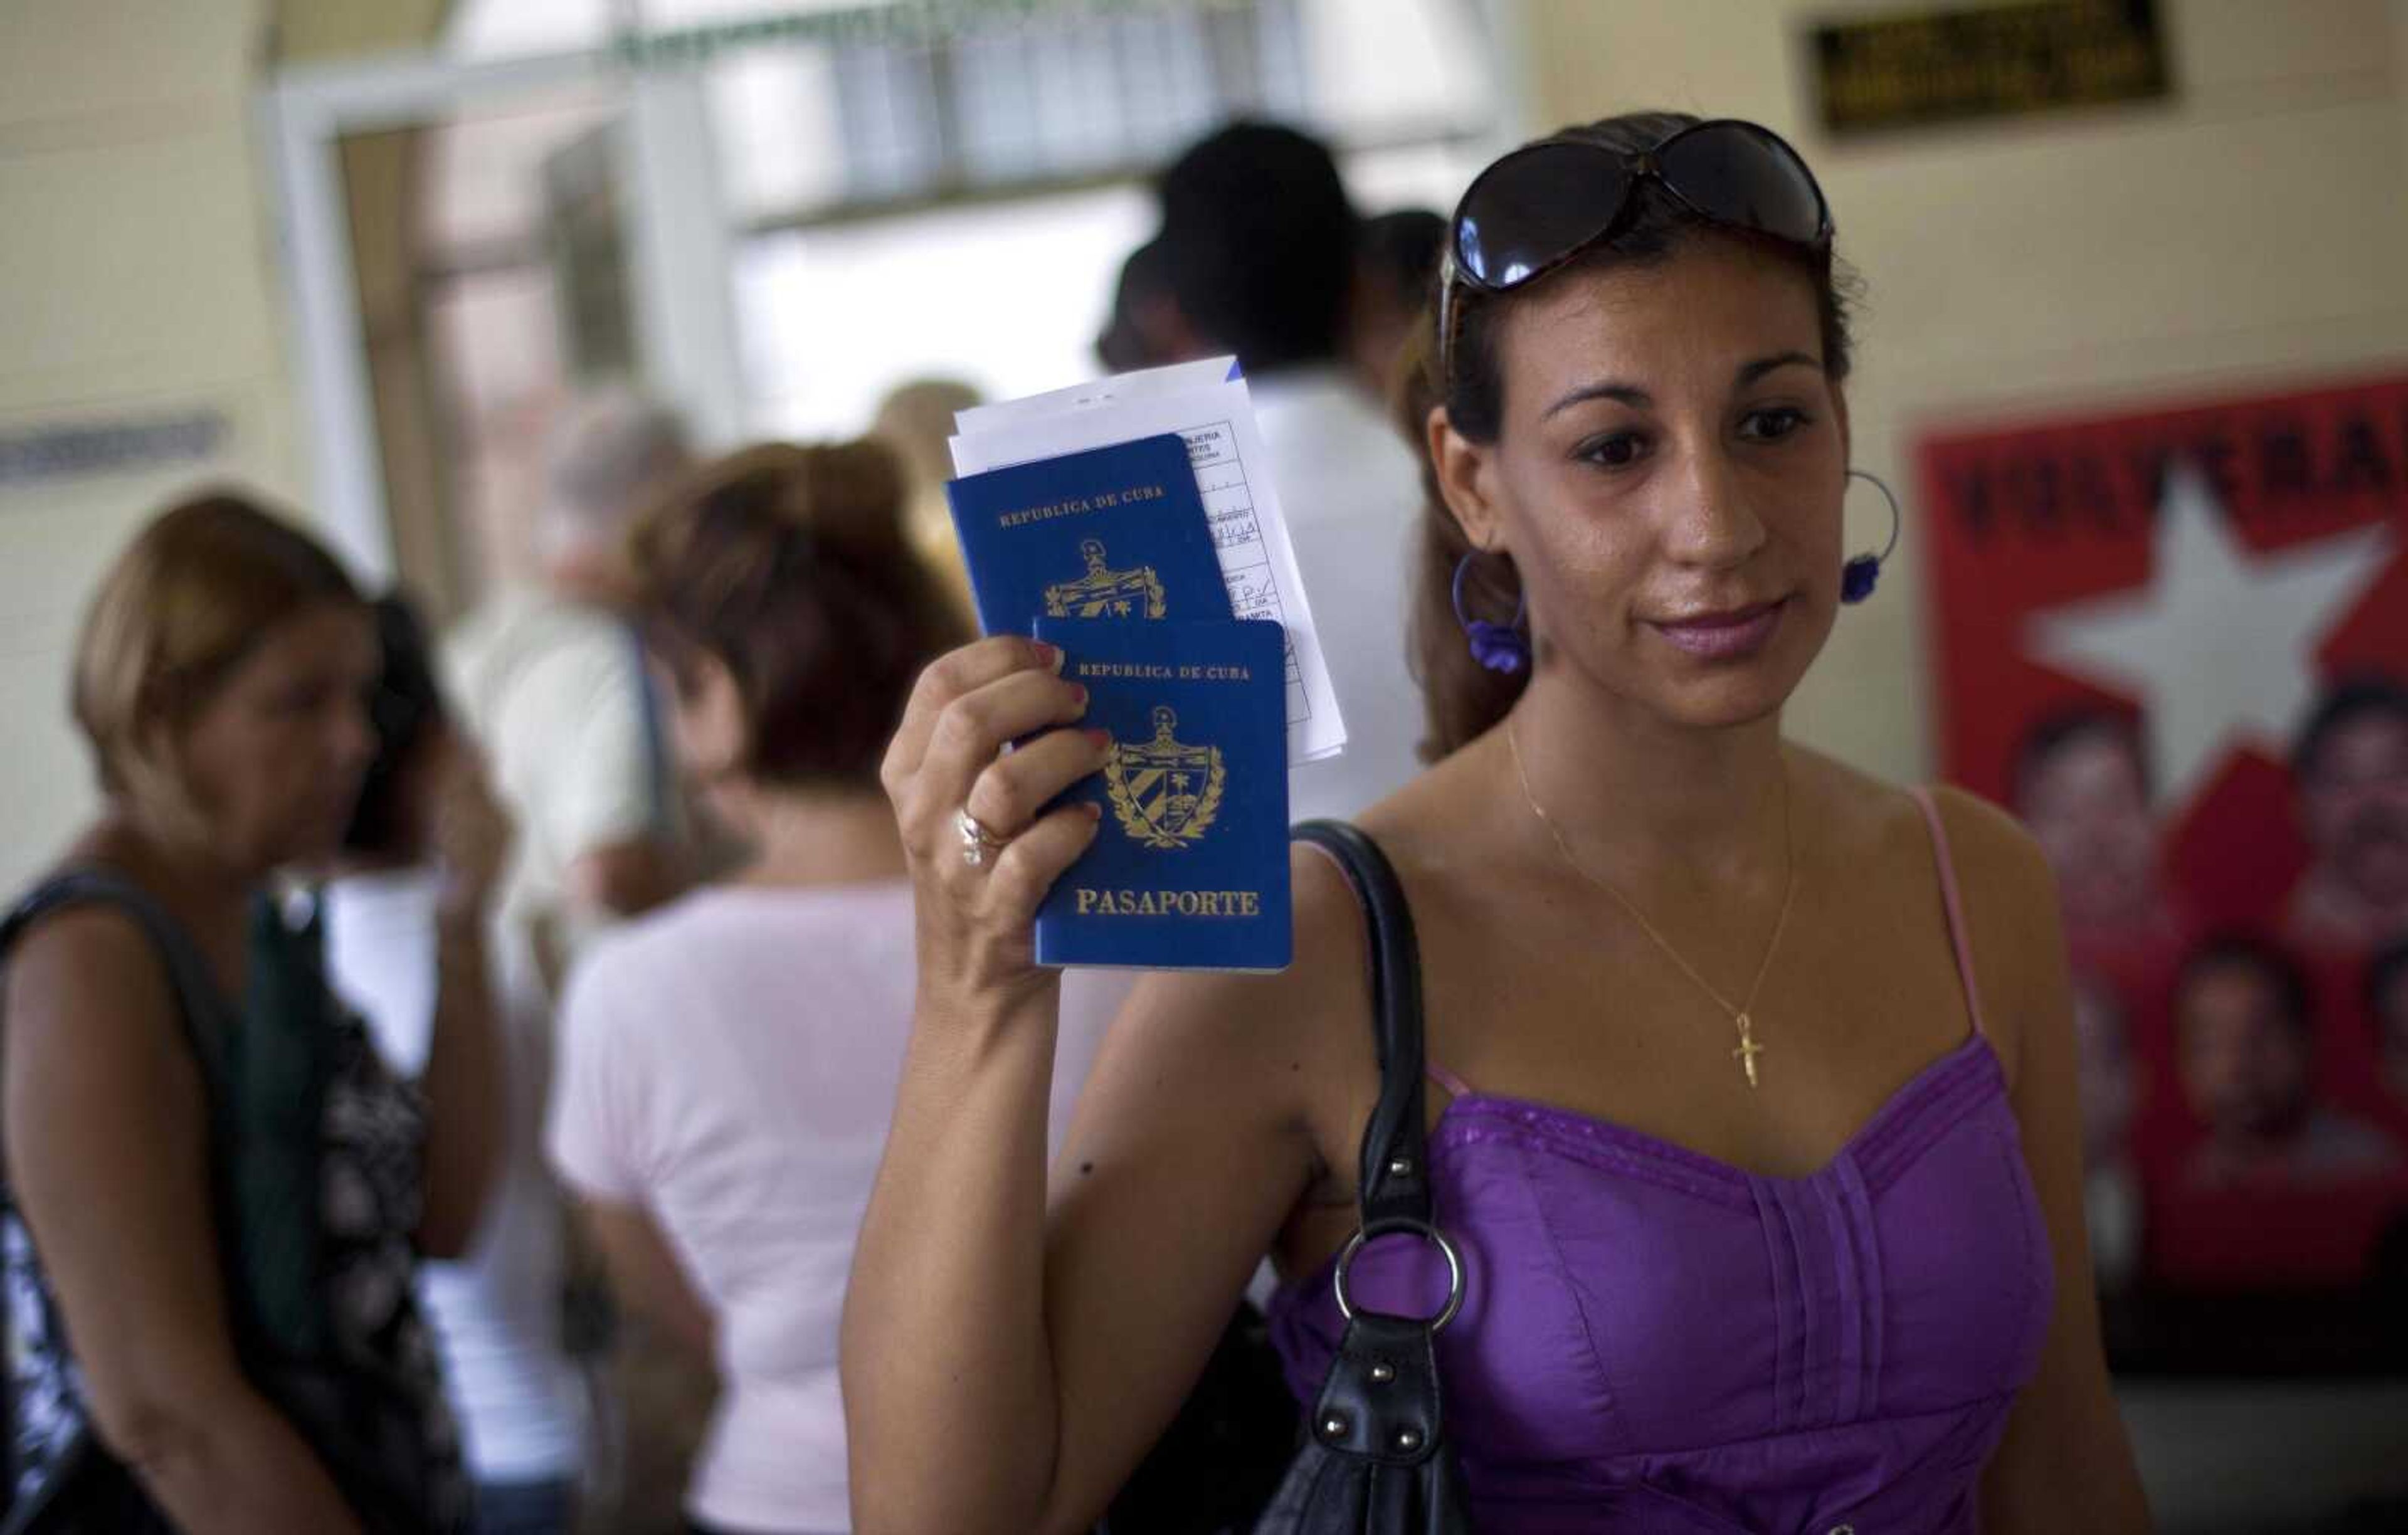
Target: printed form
x,y
1207,404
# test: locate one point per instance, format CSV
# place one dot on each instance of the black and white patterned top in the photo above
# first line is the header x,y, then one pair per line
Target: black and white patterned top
x,y
371,1401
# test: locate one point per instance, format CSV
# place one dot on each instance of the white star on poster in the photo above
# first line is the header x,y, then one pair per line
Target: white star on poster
x,y
2222,641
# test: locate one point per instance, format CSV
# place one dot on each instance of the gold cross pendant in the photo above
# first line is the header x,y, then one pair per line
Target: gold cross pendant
x,y
1748,1049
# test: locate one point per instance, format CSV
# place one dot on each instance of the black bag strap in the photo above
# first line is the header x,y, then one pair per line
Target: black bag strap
x,y
1376,1457
197,998
1394,1181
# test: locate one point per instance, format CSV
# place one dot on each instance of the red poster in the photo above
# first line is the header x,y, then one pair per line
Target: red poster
x,y
2175,642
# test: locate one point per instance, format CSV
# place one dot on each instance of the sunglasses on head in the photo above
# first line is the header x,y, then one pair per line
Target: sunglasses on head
x,y
1543,204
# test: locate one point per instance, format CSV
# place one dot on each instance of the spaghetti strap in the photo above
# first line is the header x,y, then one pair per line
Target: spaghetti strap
x,y
1958,939
1455,1086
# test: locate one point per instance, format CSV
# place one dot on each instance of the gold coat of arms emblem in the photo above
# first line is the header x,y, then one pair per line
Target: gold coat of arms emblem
x,y
1104,592
1165,792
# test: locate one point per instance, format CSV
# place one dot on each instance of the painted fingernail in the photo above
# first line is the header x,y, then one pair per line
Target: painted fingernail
x,y
1100,740
1094,811
1048,656
1078,696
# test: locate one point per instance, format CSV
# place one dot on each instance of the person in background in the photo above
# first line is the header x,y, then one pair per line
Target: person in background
x,y
549,683
1145,329
728,1063
1258,253
2082,785
916,421
2245,1039
2350,771
497,1310
1396,265
217,1191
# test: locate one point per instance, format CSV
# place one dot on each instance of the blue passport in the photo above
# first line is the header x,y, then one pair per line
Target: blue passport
x,y
1189,866
1111,532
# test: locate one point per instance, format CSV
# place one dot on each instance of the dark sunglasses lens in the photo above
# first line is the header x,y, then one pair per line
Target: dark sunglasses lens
x,y
1530,210
1747,177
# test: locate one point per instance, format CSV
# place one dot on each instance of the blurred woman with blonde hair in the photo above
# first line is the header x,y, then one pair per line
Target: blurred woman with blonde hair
x,y
216,1194
916,421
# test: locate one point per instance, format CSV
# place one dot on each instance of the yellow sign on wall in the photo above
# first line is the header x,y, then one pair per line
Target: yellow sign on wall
x,y
1997,61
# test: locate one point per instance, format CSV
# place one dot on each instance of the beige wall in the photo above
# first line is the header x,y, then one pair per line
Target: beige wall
x,y
136,278
133,278
2255,227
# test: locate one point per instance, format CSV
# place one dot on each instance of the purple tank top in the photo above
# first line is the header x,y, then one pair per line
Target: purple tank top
x,y
1655,1340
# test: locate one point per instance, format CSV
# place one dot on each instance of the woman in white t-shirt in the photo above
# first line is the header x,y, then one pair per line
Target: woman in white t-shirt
x,y
728,1065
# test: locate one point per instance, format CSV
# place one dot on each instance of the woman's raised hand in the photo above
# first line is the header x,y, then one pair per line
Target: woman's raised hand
x,y
982,855
470,831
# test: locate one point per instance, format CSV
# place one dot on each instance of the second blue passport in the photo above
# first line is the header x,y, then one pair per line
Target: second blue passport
x,y
1189,868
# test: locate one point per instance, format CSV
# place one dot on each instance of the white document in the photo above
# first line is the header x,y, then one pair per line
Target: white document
x,y
979,419
1208,407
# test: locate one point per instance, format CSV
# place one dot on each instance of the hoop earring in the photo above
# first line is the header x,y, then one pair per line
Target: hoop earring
x,y
1860,575
1500,647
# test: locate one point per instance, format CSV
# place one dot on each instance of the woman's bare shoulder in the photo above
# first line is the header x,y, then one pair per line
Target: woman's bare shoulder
x,y
82,947
1282,1009
86,1002
2000,869
2009,893
2005,892
1861,815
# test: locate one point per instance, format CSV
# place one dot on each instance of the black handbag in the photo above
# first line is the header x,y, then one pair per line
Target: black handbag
x,y
1375,1458
1214,1469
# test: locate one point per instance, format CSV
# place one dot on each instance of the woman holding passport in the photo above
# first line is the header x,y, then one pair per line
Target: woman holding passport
x,y
1753,1112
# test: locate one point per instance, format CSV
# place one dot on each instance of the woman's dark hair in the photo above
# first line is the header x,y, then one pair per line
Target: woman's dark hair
x,y
1122,347
1399,252
1257,244
1464,699
406,712
789,565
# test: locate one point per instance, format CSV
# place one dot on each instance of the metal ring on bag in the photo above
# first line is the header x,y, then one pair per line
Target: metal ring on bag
x,y
1385,1228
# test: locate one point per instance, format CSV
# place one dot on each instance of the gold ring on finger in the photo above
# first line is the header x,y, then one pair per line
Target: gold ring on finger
x,y
978,839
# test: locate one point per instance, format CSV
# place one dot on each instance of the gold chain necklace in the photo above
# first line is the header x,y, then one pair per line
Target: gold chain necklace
x,y
1741,1016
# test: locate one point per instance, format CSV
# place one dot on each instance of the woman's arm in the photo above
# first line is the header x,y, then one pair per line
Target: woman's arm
x,y
465,1089
648,1283
2066,1464
106,1141
466,1080
1004,1372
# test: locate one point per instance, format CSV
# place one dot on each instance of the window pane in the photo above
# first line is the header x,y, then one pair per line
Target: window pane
x,y
1008,298
774,115
1375,62
485,29
1430,176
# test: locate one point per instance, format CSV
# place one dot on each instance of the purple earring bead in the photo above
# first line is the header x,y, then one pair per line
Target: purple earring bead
x,y
1500,647
1497,647
1858,577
